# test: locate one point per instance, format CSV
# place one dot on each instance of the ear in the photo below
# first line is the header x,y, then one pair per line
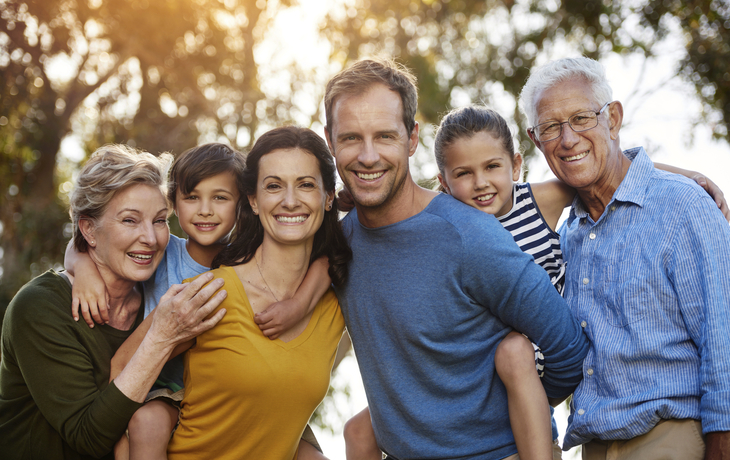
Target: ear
x,y
254,204
328,138
615,118
517,167
330,199
413,141
443,183
534,140
88,229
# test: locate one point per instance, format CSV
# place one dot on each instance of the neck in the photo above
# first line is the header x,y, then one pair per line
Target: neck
x,y
124,298
283,267
598,195
407,202
203,255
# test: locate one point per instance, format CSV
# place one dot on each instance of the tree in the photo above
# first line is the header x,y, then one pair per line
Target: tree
x,y
162,75
468,52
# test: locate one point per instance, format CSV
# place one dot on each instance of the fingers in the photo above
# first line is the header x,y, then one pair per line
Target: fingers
x,y
212,321
212,303
725,210
184,297
104,309
272,334
75,309
172,292
264,317
200,321
94,310
87,314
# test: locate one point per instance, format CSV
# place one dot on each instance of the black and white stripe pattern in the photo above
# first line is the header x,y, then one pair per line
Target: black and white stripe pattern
x,y
533,235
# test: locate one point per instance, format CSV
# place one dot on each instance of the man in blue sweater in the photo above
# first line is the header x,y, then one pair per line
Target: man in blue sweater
x,y
434,286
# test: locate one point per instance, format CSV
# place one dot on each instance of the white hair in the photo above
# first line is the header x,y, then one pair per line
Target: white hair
x,y
559,71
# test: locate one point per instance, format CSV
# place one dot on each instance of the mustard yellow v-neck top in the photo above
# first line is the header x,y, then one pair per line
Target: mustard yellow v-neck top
x,y
248,397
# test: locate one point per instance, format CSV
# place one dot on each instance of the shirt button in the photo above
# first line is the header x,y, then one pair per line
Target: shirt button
x,y
613,208
586,281
583,324
589,372
592,236
581,412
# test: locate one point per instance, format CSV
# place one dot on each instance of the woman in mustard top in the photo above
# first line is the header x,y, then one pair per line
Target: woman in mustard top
x,y
247,396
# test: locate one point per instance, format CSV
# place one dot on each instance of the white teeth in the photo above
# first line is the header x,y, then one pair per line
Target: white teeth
x,y
576,157
485,197
205,225
139,256
291,220
372,176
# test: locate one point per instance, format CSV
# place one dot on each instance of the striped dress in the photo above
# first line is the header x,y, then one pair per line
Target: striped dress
x,y
533,235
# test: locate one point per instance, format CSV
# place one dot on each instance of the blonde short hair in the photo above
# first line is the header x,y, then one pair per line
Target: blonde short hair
x,y
110,169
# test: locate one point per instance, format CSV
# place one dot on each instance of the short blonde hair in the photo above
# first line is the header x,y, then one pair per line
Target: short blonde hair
x,y
110,169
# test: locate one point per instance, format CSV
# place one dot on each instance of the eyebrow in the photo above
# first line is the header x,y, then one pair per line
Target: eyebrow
x,y
161,210
298,178
377,133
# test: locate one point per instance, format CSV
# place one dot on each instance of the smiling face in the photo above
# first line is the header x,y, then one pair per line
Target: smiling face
x,y
207,215
129,239
371,145
586,160
290,196
479,172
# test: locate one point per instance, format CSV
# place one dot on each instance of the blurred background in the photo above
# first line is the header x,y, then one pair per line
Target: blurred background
x,y
165,75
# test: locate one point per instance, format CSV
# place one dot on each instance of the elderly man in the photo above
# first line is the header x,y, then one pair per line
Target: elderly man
x,y
434,286
648,277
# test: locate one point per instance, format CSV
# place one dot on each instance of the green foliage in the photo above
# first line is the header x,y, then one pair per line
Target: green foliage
x,y
706,28
162,75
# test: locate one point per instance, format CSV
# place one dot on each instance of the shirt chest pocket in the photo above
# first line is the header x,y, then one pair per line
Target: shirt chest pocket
x,y
626,296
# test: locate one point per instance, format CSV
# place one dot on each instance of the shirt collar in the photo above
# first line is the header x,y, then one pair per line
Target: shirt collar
x,y
632,188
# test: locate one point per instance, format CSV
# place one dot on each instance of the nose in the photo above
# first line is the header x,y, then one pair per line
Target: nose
x,y
290,200
147,234
568,137
205,208
480,181
368,155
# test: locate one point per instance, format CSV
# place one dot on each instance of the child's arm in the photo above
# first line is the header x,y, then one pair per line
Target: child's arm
x,y
703,181
129,347
280,316
551,198
88,290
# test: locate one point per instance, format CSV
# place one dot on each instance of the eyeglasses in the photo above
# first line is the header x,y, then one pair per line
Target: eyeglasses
x,y
582,121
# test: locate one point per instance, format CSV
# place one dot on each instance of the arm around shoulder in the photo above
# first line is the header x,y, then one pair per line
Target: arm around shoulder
x,y
551,198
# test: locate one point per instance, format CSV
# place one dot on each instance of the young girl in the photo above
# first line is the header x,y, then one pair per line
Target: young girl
x,y
477,166
205,187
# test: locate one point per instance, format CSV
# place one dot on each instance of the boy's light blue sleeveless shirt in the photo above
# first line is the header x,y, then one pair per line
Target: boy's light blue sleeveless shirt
x,y
176,266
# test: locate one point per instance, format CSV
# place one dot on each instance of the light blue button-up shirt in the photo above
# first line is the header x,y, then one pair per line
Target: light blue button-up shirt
x,y
650,284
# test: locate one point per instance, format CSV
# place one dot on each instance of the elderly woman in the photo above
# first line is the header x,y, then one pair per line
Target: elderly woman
x,y
247,396
56,401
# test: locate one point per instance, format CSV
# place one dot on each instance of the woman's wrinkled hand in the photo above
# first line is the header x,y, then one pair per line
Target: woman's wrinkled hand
x,y
183,311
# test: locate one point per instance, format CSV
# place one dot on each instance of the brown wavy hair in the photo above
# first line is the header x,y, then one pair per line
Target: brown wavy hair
x,y
328,241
